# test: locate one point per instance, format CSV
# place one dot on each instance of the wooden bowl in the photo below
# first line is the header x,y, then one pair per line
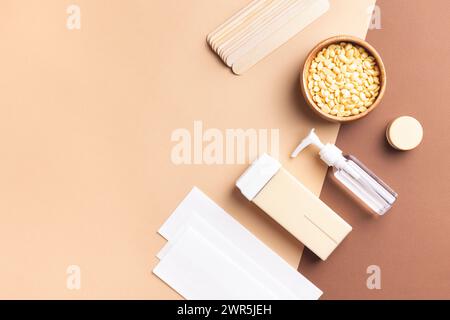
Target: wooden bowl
x,y
304,77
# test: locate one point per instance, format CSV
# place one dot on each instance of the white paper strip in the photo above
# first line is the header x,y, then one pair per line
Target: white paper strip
x,y
222,244
197,270
240,237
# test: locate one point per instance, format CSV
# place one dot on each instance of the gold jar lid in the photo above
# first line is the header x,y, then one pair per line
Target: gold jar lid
x,y
404,133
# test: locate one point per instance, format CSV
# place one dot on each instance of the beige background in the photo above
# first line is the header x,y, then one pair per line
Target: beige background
x,y
85,125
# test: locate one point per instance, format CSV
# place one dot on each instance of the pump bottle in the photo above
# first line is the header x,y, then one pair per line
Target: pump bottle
x,y
348,170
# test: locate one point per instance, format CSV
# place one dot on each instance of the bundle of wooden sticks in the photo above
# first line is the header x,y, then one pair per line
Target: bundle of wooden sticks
x,y
260,28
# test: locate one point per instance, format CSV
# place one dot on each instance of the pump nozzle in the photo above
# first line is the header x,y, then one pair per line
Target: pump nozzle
x,y
329,153
312,138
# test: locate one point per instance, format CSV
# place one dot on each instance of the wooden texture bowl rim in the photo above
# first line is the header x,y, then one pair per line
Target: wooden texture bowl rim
x,y
304,78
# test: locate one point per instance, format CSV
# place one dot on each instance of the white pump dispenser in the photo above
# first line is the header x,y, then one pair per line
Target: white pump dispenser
x,y
329,153
352,174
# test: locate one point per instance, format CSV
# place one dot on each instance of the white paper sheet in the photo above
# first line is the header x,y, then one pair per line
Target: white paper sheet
x,y
197,270
272,265
239,257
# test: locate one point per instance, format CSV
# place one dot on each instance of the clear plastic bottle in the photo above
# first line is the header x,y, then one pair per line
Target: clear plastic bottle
x,y
348,170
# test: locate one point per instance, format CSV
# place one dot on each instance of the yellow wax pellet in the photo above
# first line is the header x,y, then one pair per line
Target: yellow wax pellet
x,y
344,79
